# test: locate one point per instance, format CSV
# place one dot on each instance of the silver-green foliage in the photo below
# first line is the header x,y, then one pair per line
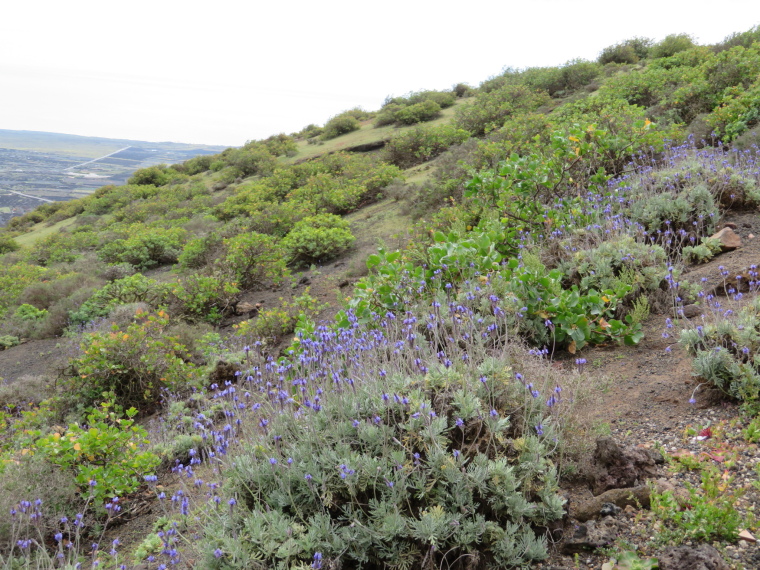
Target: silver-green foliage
x,y
727,353
426,471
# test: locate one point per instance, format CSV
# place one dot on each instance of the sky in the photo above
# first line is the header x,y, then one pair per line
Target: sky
x,y
225,72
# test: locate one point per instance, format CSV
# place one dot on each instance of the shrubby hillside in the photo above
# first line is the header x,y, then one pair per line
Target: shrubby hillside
x,y
416,420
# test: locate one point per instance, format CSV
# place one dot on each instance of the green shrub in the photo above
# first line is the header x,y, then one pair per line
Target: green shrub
x,y
711,513
420,144
250,161
341,124
8,244
133,365
671,45
107,457
199,164
628,51
145,247
29,313
8,341
488,110
703,252
153,175
318,238
273,324
253,260
199,252
725,352
15,278
616,262
417,113
206,298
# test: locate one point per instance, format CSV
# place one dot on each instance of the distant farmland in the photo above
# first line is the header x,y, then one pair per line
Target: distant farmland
x,y
38,167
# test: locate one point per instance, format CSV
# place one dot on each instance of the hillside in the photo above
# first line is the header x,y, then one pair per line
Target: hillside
x,y
512,325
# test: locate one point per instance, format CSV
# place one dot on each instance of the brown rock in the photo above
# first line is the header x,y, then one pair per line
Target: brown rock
x,y
617,467
728,238
624,498
592,535
703,557
245,308
689,311
730,225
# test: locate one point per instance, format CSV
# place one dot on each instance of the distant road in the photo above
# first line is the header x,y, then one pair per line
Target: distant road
x,y
27,195
96,159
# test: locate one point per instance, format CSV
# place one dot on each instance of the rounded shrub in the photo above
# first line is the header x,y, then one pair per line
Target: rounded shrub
x,y
318,238
340,125
419,112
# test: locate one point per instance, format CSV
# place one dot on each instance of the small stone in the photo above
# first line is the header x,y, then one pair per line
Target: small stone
x,y
689,311
747,536
751,236
728,238
609,510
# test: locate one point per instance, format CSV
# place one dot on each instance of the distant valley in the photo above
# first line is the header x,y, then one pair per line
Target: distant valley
x,y
38,167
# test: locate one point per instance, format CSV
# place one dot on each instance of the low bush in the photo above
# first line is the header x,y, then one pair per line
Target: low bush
x,y
200,297
107,457
671,45
725,351
133,365
341,124
420,144
8,244
628,51
318,238
417,113
488,110
253,260
145,247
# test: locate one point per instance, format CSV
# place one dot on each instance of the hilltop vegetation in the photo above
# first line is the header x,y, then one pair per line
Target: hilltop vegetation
x,y
423,423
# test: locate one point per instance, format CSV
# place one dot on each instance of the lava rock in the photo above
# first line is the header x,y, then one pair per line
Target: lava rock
x,y
609,510
592,535
616,467
703,557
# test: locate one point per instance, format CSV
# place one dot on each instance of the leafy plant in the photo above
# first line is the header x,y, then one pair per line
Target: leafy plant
x,y
106,456
133,365
709,514
317,238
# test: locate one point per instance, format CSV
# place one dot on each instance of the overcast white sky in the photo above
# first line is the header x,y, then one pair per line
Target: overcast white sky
x,y
223,71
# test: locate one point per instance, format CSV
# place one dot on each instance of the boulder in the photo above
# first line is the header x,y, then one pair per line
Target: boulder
x,y
702,557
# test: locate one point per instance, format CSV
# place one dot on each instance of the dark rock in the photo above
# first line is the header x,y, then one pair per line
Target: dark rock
x,y
616,467
592,535
592,508
730,225
703,557
609,510
222,372
304,281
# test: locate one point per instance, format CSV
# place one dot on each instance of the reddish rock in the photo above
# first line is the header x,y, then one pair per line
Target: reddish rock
x,y
728,238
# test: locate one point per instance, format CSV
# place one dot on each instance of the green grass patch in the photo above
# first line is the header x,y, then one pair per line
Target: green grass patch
x,y
42,230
